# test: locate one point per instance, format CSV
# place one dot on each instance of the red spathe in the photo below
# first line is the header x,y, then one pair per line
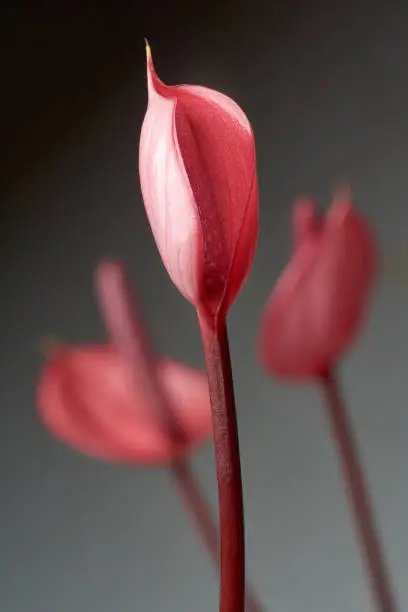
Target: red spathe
x,y
318,304
198,177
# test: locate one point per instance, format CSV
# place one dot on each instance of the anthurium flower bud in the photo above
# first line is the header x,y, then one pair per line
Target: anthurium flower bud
x,y
198,177
317,306
87,398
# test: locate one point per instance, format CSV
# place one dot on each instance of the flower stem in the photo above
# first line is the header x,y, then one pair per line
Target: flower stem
x,y
196,505
230,498
360,504
201,515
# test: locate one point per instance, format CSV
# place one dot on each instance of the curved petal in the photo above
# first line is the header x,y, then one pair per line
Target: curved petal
x,y
226,103
247,233
85,398
218,151
166,191
347,268
244,250
289,343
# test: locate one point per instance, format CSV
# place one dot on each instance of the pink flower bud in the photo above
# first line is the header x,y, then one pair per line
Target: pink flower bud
x,y
87,398
317,305
198,177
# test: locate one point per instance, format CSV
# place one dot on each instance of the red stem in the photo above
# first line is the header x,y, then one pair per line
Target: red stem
x,y
361,507
124,324
197,506
202,517
230,499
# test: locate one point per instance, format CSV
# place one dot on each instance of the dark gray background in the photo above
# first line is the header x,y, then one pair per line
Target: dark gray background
x,y
325,86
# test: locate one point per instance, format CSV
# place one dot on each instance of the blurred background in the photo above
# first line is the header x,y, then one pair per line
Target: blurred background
x,y
325,85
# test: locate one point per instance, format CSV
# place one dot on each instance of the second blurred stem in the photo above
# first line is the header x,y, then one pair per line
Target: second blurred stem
x,y
361,508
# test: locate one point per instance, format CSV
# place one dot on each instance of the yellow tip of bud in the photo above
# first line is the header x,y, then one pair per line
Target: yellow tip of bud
x,y
148,50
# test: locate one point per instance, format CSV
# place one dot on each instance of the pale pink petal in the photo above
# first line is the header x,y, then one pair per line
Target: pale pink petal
x,y
167,194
